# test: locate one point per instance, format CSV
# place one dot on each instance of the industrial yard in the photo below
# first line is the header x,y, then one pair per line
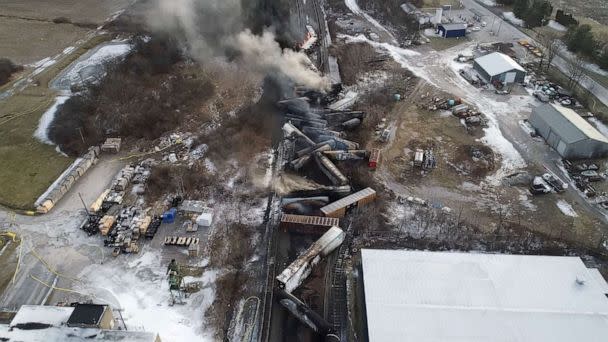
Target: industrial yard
x,y
264,165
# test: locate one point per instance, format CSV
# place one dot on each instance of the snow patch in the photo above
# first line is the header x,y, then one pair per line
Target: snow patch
x,y
557,26
566,208
42,64
42,132
105,53
141,290
510,17
600,126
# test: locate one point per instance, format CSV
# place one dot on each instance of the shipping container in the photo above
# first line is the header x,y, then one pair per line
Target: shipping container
x,y
341,206
308,224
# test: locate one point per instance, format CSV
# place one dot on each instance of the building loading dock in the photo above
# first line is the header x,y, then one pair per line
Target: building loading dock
x,y
452,30
497,66
568,133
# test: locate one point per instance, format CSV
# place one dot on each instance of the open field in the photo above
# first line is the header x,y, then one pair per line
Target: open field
x,y
28,31
43,39
29,166
95,11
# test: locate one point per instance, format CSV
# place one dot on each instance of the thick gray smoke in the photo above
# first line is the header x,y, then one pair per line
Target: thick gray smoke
x,y
209,28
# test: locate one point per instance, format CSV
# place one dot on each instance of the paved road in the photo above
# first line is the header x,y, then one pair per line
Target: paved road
x,y
511,32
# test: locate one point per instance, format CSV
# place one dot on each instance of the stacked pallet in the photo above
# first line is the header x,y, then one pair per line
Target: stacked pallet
x,y
182,241
95,206
141,224
106,223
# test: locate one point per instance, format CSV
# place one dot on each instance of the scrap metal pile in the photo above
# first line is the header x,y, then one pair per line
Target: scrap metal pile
x,y
122,225
469,116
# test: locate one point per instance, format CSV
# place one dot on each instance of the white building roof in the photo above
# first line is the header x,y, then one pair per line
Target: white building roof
x,y
442,296
66,334
50,315
497,63
571,126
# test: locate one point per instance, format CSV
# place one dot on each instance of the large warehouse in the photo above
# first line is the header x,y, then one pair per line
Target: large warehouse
x,y
568,133
497,66
444,296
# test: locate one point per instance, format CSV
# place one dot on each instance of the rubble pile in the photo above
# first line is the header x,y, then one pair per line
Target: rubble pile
x,y
317,139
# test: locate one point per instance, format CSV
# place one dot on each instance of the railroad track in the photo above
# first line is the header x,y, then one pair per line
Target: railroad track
x,y
323,59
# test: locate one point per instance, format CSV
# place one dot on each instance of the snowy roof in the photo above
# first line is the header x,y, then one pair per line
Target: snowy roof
x,y
454,26
497,63
443,296
570,126
49,315
66,334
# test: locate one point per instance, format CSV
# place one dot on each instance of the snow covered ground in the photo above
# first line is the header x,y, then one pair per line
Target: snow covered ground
x,y
566,208
86,68
557,26
89,67
138,285
47,118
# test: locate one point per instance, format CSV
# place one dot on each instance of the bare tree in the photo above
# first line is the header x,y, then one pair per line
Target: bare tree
x,y
576,70
550,44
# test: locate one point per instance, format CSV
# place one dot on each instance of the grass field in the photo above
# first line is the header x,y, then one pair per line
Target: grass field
x,y
8,261
439,43
28,167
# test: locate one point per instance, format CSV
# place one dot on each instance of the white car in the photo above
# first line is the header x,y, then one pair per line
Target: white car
x,y
475,29
484,24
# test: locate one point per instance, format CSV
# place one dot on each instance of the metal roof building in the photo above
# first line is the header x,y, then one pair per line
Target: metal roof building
x,y
497,66
568,133
444,296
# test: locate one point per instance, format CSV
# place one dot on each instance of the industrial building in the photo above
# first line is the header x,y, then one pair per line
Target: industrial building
x,y
452,30
568,133
79,323
497,66
444,296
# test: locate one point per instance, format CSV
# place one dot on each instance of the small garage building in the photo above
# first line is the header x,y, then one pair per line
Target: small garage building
x,y
452,30
499,67
568,133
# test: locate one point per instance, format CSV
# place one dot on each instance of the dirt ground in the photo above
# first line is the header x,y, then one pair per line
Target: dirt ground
x,y
77,10
28,31
44,39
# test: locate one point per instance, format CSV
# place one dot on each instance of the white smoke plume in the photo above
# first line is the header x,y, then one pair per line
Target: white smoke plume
x,y
210,27
267,55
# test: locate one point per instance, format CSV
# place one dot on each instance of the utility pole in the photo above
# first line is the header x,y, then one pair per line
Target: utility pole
x,y
84,205
499,26
81,136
